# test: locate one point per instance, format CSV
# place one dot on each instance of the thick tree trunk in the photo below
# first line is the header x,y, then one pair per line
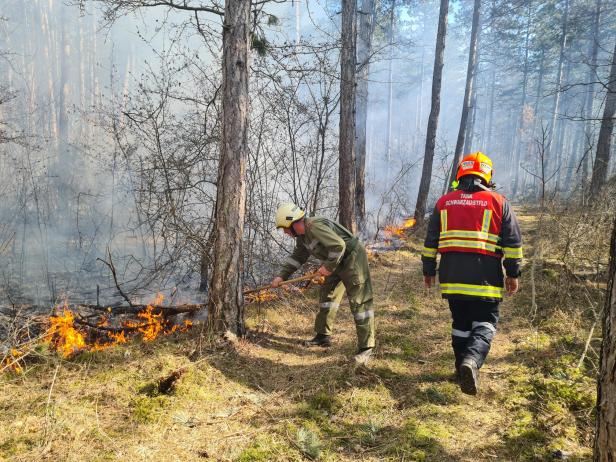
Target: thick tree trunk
x,y
468,91
346,148
437,77
605,425
226,299
364,50
604,143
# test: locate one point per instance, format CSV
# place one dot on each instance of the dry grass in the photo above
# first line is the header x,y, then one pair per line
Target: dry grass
x,y
270,399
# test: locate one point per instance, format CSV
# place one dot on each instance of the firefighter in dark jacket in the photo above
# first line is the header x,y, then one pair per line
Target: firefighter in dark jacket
x,y
476,232
344,263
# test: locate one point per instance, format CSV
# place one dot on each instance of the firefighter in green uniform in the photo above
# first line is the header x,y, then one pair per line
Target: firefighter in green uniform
x,y
344,264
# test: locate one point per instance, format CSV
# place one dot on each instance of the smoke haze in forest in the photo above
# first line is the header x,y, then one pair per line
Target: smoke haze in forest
x,y
110,129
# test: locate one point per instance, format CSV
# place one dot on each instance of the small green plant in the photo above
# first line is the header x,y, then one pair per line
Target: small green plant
x,y
309,443
369,433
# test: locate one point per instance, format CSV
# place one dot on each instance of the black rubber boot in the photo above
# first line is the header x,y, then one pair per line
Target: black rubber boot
x,y
469,376
321,340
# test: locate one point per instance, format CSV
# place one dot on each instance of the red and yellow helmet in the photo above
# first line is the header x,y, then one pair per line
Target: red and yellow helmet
x,y
478,164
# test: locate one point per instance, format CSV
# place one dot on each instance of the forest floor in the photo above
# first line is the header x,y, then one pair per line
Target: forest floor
x,y
268,398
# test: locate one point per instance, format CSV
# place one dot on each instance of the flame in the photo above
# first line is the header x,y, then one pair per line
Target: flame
x,y
153,325
262,296
63,335
68,339
11,361
399,231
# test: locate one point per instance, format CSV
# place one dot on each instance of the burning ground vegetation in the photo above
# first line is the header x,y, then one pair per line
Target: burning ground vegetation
x,y
70,331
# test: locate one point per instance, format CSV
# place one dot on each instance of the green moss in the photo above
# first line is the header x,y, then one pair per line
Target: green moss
x,y
324,401
442,393
366,402
261,450
146,409
576,395
550,274
418,441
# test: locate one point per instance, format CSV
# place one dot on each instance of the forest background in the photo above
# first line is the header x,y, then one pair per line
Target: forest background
x,y
111,127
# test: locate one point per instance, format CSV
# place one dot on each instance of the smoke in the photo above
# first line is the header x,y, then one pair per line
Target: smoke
x,y
109,132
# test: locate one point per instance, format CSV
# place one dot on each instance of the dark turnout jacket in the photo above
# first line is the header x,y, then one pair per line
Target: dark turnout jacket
x,y
477,233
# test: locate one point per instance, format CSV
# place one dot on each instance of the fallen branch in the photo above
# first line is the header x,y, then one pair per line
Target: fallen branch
x,y
586,345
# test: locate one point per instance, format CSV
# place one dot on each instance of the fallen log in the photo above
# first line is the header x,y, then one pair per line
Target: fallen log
x,y
134,309
122,309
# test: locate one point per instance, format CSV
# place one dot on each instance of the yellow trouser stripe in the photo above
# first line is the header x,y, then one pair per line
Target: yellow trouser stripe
x,y
512,252
473,290
443,220
460,234
469,245
429,252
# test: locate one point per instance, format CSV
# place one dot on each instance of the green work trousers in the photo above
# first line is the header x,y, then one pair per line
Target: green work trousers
x,y
353,275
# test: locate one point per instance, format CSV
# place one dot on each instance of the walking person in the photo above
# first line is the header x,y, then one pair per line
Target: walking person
x,y
344,264
476,232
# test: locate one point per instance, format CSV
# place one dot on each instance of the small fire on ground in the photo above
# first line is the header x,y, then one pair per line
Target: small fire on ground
x,y
392,237
69,336
400,231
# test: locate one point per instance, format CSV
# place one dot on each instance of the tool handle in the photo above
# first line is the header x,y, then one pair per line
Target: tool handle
x,y
305,277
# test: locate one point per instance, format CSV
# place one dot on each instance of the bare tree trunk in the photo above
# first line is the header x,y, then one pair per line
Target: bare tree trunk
x,y
488,145
390,88
437,77
364,50
559,83
518,146
346,173
589,97
470,126
468,91
605,423
419,118
602,159
226,299
578,144
63,89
